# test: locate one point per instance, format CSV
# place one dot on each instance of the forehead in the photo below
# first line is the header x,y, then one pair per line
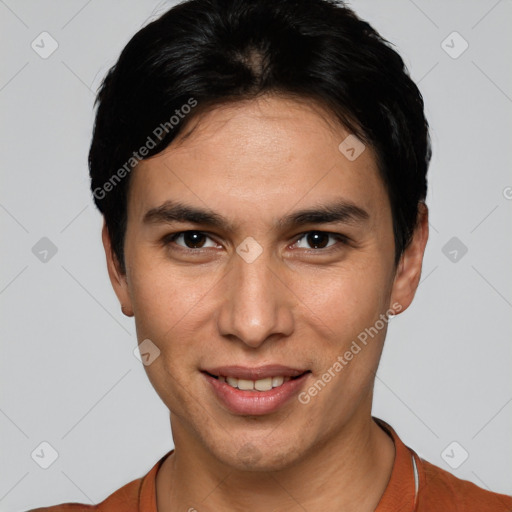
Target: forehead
x,y
267,154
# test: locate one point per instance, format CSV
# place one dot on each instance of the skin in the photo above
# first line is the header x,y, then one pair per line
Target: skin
x,y
298,305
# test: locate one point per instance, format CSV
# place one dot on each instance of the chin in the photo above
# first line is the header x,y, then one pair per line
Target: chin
x,y
259,456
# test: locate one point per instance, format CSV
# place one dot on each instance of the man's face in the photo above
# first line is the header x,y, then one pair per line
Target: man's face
x,y
254,290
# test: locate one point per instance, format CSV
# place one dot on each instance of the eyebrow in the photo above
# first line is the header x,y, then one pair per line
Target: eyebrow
x,y
342,211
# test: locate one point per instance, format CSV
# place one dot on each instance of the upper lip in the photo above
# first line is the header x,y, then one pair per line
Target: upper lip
x,y
257,373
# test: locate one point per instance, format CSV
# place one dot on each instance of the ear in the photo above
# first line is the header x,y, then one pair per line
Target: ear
x,y
408,273
117,277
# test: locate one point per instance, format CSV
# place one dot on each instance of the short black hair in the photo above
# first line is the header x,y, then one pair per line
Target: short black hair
x,y
204,53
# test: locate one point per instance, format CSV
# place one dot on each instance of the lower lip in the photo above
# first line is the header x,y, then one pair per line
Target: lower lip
x,y
255,402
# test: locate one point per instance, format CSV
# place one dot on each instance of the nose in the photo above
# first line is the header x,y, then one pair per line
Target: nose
x,y
258,303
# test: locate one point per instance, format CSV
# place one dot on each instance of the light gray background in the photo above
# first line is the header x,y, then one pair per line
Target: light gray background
x,y
69,376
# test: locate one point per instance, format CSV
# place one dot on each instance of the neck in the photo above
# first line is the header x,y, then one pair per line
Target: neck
x,y
347,472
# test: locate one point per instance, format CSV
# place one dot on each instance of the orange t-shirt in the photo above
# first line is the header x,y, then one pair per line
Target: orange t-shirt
x,y
413,487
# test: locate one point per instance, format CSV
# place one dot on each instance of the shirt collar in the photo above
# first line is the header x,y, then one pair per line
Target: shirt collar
x,y
147,496
402,489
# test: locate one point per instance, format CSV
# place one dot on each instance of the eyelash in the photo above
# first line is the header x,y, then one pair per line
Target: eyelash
x,y
344,241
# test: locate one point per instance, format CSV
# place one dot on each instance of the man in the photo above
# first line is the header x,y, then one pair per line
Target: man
x,y
261,168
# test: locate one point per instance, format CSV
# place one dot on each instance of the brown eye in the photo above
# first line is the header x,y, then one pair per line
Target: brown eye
x,y
189,240
194,239
318,240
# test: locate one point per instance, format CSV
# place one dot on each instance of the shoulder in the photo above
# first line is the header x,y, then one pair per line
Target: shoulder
x,y
436,490
440,488
136,495
125,499
65,507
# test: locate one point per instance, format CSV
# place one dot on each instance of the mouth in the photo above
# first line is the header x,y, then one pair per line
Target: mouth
x,y
255,391
259,385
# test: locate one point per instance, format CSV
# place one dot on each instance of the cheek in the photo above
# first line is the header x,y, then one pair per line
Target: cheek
x,y
168,311
162,295
345,301
173,308
348,307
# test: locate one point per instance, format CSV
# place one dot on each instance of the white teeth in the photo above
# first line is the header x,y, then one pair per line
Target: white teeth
x,y
245,385
232,381
277,381
265,384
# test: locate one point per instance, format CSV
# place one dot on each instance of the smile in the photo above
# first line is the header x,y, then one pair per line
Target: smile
x,y
265,384
255,391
